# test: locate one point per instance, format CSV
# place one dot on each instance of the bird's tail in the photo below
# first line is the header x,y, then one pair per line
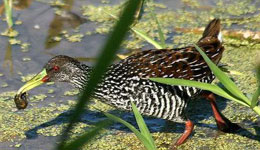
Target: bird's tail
x,y
212,31
211,42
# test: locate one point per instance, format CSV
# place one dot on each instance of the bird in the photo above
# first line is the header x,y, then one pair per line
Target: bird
x,y
128,81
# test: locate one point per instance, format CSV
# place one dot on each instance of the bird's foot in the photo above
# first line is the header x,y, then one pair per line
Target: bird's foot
x,y
223,123
226,125
188,130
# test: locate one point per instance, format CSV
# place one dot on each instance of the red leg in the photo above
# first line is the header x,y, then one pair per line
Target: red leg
x,y
222,122
188,130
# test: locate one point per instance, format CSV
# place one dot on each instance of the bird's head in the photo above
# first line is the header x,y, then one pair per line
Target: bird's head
x,y
58,69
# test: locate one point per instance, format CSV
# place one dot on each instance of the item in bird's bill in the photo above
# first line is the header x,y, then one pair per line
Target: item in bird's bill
x,y
21,100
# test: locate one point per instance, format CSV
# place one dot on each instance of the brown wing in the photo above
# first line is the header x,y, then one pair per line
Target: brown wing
x,y
184,63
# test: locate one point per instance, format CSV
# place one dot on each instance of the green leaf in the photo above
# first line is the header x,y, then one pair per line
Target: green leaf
x,y
204,86
87,136
147,38
8,12
138,13
257,92
153,15
105,59
223,78
255,97
142,126
140,33
257,110
142,138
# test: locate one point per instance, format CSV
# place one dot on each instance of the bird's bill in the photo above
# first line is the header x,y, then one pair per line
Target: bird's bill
x,y
37,80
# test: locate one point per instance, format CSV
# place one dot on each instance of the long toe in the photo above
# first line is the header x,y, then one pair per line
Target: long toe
x,y
188,130
227,126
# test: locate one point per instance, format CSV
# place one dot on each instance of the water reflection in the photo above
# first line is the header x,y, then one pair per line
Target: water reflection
x,y
18,5
65,19
8,61
22,4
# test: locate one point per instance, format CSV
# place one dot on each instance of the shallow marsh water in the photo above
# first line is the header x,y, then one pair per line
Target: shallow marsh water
x,y
78,28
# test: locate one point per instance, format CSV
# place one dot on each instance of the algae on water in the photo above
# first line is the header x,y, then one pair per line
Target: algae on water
x,y
240,55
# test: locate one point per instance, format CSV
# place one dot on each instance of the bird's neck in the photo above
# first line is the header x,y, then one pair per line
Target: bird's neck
x,y
81,76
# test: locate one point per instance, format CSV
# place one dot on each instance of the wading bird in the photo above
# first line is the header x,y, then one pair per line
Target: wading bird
x,y
128,80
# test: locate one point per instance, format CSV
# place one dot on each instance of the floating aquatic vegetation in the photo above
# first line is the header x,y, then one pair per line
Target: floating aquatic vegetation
x,y
18,22
239,54
242,7
27,77
71,92
25,47
13,41
18,145
75,37
3,85
105,1
50,91
88,33
50,83
14,124
57,38
181,18
191,3
26,59
10,33
57,3
58,11
37,98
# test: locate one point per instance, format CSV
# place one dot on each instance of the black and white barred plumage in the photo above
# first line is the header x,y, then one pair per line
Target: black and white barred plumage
x,y
128,81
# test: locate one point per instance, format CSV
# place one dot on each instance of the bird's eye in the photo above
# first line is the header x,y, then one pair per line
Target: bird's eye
x,y
56,68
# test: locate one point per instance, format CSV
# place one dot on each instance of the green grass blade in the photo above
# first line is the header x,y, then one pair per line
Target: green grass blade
x,y
142,138
8,12
223,78
141,34
257,92
153,15
255,97
142,126
257,110
147,38
204,86
106,57
138,13
88,136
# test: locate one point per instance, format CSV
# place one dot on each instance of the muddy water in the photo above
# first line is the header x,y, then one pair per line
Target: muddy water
x,y
47,30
